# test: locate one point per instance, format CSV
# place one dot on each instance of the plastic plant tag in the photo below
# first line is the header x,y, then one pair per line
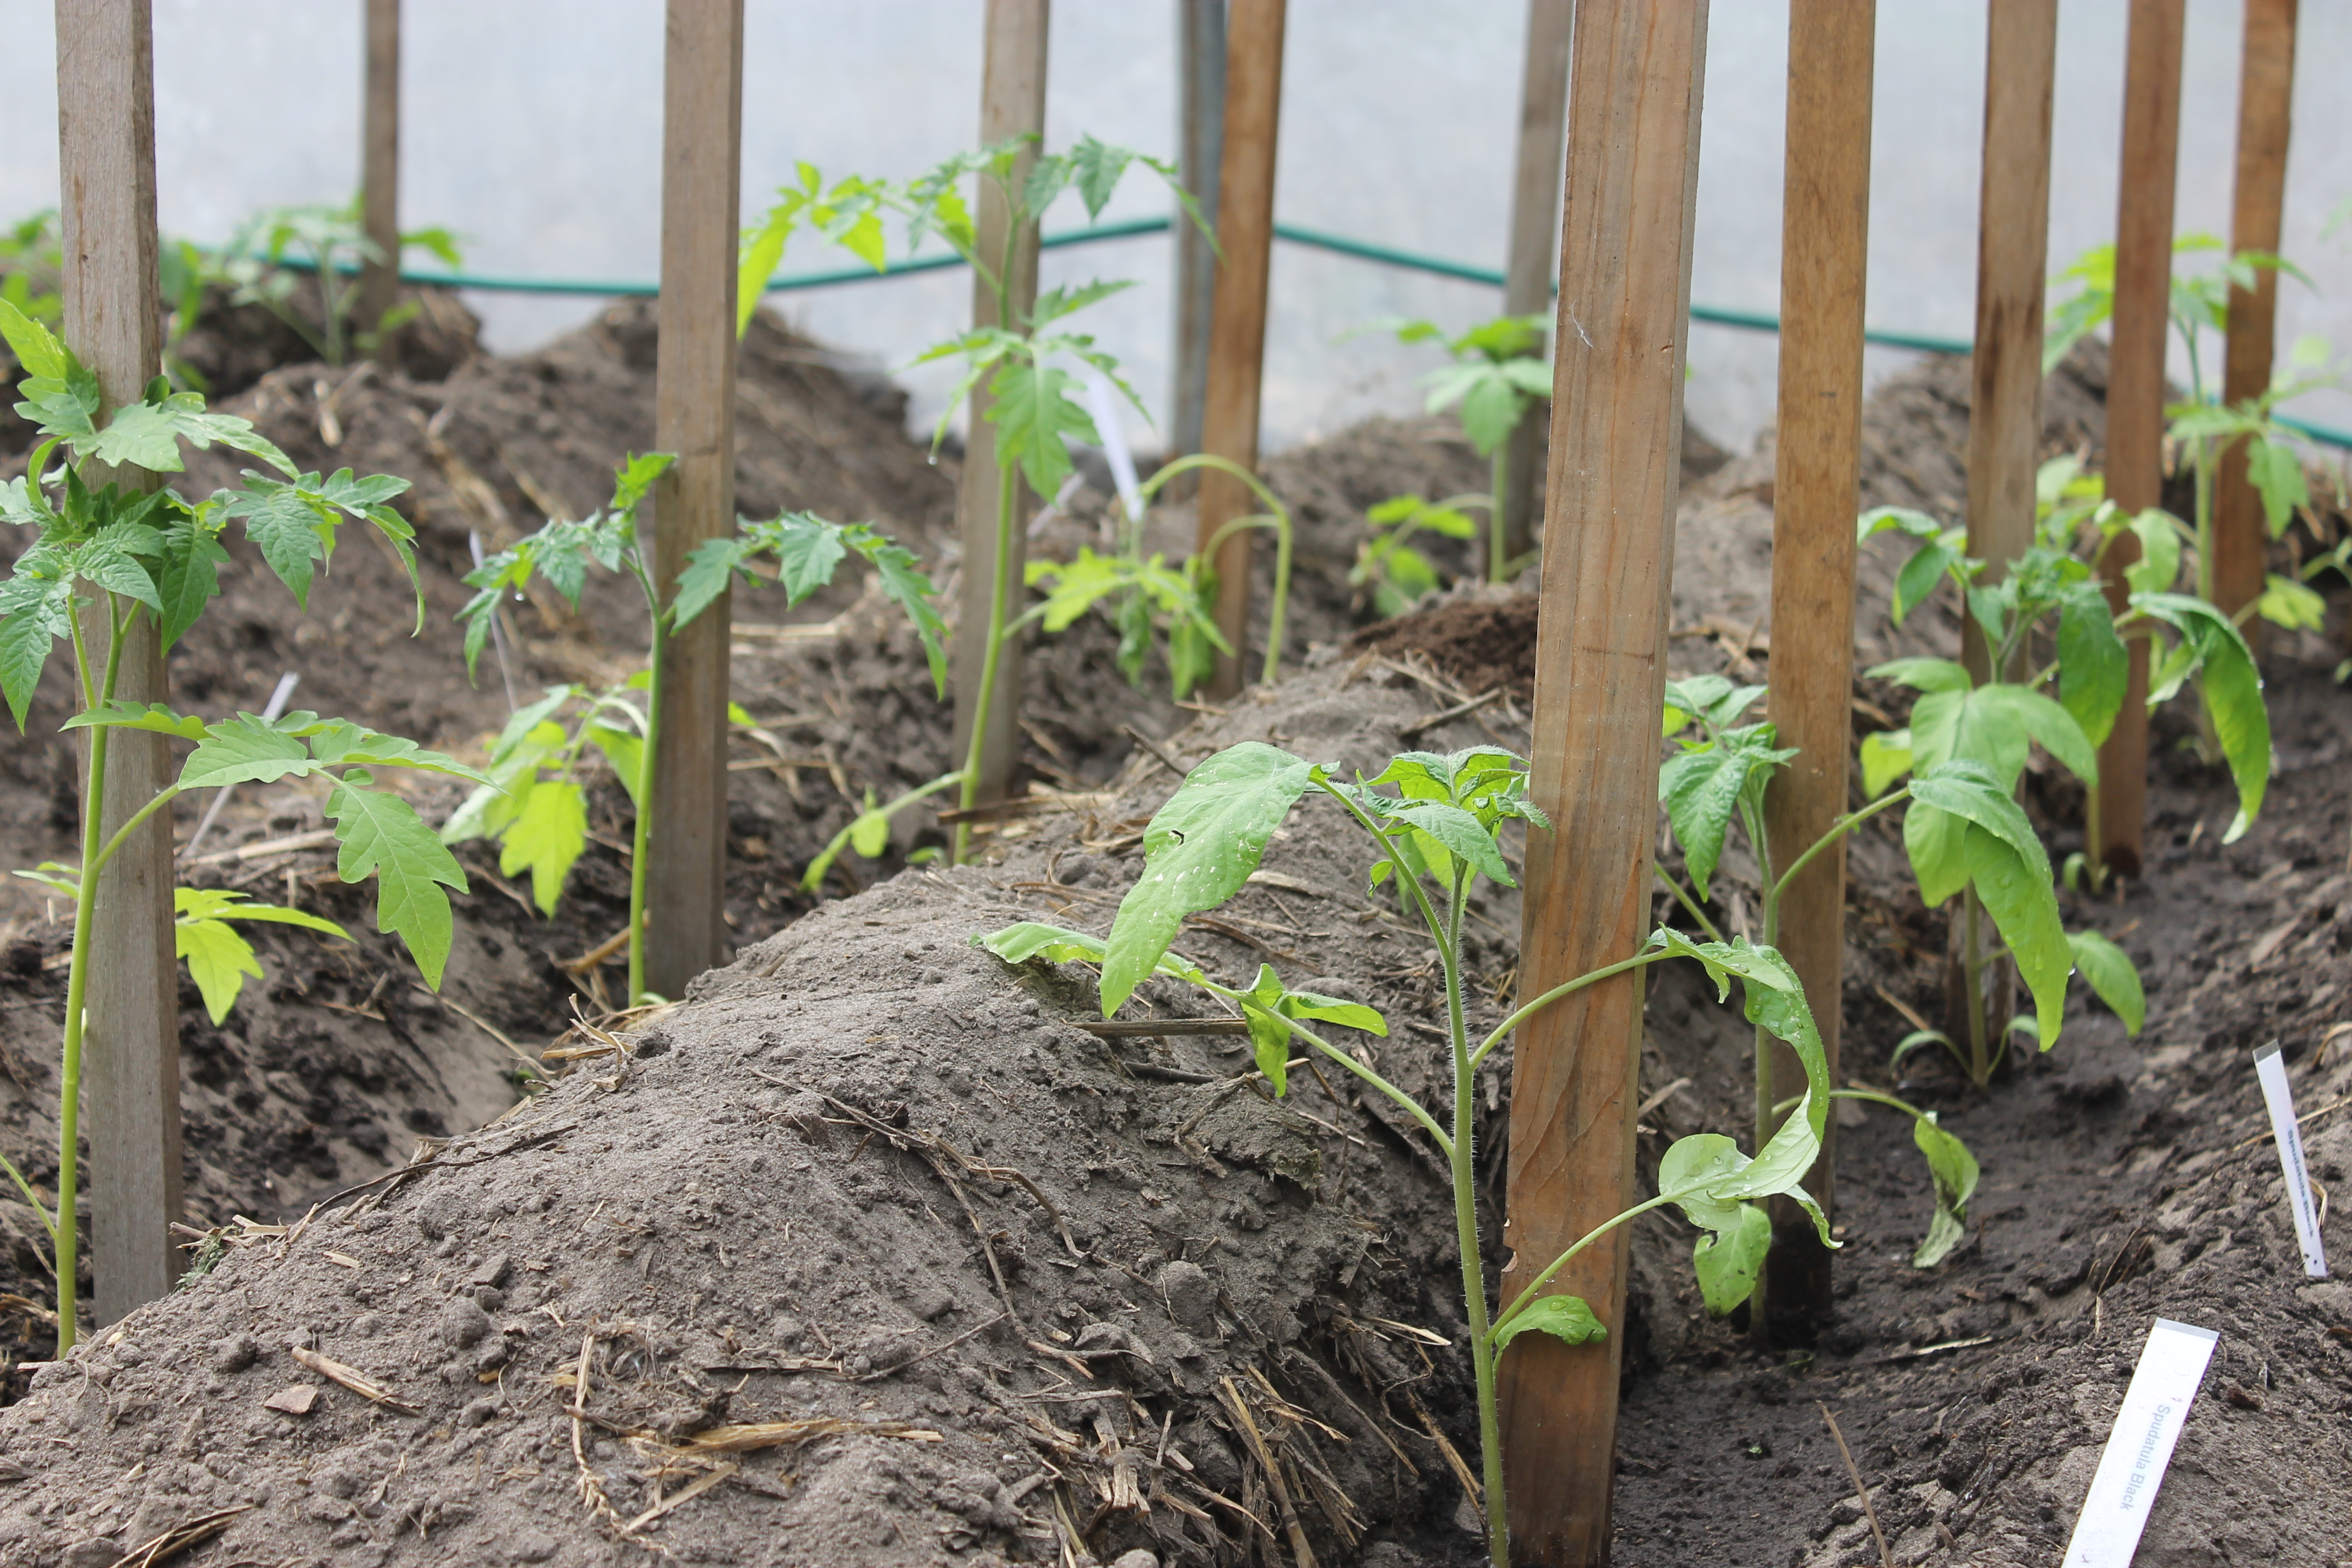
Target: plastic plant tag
x,y
2271,1068
2156,1407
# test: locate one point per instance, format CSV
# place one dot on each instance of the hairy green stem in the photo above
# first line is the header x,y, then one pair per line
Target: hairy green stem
x,y
1277,516
1520,1302
1398,1096
66,1233
641,836
1000,583
1838,830
1566,988
1465,1170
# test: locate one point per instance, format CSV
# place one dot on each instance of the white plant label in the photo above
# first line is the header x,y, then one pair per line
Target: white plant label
x,y
2156,1407
2271,1068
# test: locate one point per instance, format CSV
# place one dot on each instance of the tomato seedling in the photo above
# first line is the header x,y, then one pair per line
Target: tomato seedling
x,y
1036,400
1396,575
1441,830
327,243
153,558
1498,373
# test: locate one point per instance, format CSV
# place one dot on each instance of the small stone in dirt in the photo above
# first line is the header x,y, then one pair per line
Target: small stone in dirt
x,y
463,1322
2241,1399
96,1553
479,1413
294,1401
1138,1558
493,1271
1192,1294
235,1353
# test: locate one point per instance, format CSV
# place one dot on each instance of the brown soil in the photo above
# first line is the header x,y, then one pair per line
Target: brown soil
x,y
737,1249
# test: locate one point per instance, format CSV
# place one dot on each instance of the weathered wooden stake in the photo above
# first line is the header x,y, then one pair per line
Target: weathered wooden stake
x,y
1012,103
1253,31
2265,112
2012,258
105,134
1608,519
1535,238
1816,491
1201,134
2135,474
694,416
380,169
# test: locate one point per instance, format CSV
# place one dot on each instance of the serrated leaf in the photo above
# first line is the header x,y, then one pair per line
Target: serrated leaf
x,y
290,531
807,549
190,578
37,347
147,436
1568,1318
1460,833
34,613
381,835
1929,675
244,750
339,743
546,836
710,570
1198,850
1035,417
905,584
2288,602
1702,788
219,961
1727,1262
2112,976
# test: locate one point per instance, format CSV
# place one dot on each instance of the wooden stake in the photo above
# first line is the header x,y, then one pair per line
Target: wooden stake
x,y
1200,59
2266,111
105,134
1609,509
1012,103
694,416
1816,490
379,288
1535,238
1237,330
2136,394
2012,256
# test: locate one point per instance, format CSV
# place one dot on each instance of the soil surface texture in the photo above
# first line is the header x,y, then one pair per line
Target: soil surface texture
x,y
869,1253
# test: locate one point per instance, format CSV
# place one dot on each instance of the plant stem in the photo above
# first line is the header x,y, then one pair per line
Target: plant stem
x,y
641,836
1519,1303
1972,971
1402,1100
1838,830
1557,992
67,1234
1497,552
1683,897
1000,581
1464,1164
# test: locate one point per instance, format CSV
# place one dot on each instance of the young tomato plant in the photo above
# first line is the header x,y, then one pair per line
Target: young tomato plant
x,y
1436,835
1719,775
1498,373
329,243
1396,575
2204,428
152,560
1036,401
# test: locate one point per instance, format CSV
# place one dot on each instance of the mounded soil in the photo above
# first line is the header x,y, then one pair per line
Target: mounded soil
x,y
946,1278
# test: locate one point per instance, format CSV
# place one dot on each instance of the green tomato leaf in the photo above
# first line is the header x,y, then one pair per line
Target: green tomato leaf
x,y
2275,469
1918,579
190,578
1334,1010
35,611
869,835
2288,602
1923,674
382,834
626,750
1198,850
218,961
2113,976
1025,939
1035,417
246,750
151,716
2093,663
710,567
1727,1262
37,347
1885,757
904,583
547,835
807,548
1954,1170
1567,1318
1460,832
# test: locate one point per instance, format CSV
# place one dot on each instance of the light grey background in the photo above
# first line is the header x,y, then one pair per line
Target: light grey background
x,y
532,127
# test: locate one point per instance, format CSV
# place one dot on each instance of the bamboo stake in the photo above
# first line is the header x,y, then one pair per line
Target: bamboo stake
x,y
1238,329
379,288
1012,103
2135,474
2012,256
694,416
2266,111
1535,238
1615,466
1200,56
106,132
1817,487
